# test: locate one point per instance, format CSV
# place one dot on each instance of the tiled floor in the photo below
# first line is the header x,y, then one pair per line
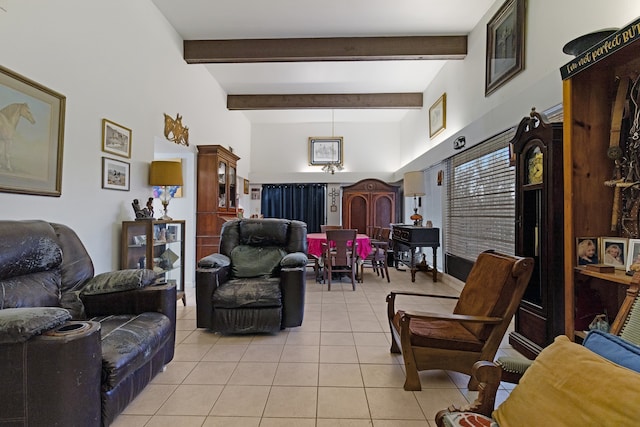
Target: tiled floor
x,y
335,370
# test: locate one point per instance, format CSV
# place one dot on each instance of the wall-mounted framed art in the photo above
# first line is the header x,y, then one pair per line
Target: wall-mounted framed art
x,y
438,116
31,136
116,139
505,45
115,174
326,150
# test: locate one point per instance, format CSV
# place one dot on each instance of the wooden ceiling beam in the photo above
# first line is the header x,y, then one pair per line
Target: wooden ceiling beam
x,y
325,49
325,101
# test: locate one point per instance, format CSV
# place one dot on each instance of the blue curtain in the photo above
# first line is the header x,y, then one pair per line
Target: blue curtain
x,y
302,202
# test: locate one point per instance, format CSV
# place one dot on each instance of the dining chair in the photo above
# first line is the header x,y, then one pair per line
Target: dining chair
x,y
339,254
473,331
325,227
377,259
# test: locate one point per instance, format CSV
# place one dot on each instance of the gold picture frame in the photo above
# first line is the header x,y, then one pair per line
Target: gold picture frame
x,y
505,45
438,116
116,139
246,186
33,115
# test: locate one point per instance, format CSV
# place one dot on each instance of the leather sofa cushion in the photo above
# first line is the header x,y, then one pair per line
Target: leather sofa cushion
x,y
31,290
20,324
255,292
293,260
128,342
27,247
255,261
264,232
214,261
118,281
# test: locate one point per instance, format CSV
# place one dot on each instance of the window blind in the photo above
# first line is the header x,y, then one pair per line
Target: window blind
x,y
480,208
479,213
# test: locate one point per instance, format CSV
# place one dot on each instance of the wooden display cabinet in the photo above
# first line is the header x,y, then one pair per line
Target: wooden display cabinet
x,y
368,203
216,196
537,147
157,245
590,83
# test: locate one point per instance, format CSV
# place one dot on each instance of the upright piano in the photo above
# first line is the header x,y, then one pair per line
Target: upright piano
x,y
410,237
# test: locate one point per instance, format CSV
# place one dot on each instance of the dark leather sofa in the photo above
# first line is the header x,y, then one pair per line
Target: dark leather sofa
x,y
256,284
75,349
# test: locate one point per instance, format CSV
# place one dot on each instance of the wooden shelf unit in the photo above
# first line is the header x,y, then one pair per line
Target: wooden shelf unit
x,y
589,90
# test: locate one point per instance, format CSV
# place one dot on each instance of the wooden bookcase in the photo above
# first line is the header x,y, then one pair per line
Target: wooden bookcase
x,y
589,91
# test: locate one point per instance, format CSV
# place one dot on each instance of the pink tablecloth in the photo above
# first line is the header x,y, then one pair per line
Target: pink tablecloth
x,y
315,241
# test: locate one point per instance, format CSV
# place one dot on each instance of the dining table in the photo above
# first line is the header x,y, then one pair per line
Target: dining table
x,y
315,241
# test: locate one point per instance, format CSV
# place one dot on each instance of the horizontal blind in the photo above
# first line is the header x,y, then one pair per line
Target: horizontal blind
x,y
480,208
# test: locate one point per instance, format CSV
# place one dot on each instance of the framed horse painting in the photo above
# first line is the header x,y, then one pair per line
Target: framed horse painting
x,y
31,136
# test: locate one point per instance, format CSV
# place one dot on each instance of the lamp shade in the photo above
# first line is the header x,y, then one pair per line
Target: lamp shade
x,y
414,184
165,172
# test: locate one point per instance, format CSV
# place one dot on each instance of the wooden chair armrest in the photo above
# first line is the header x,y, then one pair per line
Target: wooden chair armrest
x,y
452,317
488,375
421,294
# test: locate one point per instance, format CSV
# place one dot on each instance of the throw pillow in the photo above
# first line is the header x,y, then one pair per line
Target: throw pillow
x,y
569,385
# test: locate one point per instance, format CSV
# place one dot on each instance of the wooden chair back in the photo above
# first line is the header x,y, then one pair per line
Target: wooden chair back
x,y
325,227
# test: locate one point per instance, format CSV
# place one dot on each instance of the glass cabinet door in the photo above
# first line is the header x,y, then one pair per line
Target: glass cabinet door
x,y
232,187
222,185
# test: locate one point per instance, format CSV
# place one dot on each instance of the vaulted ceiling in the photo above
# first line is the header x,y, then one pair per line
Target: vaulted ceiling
x,y
284,61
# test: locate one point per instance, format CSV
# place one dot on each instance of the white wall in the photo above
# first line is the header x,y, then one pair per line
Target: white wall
x,y
119,60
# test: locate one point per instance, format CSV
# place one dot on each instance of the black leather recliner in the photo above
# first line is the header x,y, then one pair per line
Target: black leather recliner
x,y
256,284
75,348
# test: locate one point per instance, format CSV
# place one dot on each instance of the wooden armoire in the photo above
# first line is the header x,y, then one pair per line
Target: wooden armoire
x,y
368,203
216,196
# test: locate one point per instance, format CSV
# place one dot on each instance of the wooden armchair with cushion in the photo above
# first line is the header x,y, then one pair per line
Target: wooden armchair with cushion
x,y
473,331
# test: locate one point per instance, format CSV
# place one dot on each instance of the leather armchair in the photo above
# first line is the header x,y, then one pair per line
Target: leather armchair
x,y
75,348
256,284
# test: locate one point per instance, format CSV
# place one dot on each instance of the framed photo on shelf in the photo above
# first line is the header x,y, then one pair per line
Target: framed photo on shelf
x,y
325,150
116,139
115,174
614,251
633,255
33,128
587,249
438,116
505,45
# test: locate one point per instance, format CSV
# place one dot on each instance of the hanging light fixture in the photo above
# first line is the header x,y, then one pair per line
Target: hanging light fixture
x,y
335,164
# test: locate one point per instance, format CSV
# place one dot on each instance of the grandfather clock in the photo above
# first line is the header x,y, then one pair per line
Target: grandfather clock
x,y
537,147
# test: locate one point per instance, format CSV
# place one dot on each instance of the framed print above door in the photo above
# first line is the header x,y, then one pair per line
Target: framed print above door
x,y
505,45
31,136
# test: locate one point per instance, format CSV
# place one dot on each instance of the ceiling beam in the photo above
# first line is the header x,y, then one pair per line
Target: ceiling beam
x,y
325,49
324,101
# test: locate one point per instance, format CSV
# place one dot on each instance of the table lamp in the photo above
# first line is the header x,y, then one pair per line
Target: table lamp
x,y
165,173
414,187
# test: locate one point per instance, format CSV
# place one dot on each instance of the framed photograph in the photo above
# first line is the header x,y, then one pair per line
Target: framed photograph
x,y
32,126
587,249
255,194
116,139
633,255
614,251
505,45
246,186
325,150
115,174
438,116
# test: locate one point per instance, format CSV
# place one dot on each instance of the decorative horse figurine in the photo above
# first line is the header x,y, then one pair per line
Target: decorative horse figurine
x,y
9,118
175,131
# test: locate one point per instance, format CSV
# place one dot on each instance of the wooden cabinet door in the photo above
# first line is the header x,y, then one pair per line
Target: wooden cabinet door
x,y
369,202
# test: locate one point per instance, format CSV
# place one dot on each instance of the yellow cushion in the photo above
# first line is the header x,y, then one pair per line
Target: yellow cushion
x,y
569,385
